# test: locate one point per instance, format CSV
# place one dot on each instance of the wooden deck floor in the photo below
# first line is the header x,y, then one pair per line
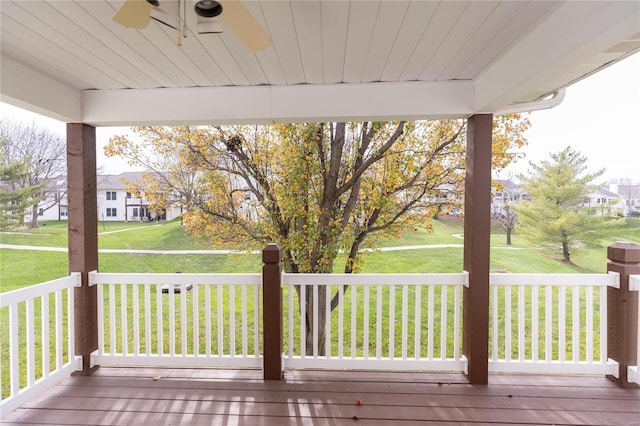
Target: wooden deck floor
x,y
134,396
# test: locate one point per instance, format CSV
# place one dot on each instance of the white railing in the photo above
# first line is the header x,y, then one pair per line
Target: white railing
x,y
550,323
633,371
41,346
178,320
421,312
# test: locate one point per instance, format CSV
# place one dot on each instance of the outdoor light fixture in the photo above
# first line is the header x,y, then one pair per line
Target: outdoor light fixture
x,y
208,8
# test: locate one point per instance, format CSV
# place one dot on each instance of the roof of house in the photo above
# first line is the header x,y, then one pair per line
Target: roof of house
x,y
115,182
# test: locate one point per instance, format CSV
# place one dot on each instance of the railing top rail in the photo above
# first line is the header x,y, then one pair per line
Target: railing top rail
x,y
174,278
375,279
26,293
611,279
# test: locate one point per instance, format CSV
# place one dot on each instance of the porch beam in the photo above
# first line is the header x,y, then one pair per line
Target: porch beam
x,y
477,206
83,234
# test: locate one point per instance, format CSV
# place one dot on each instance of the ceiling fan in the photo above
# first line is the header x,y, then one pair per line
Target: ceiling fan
x,y
139,13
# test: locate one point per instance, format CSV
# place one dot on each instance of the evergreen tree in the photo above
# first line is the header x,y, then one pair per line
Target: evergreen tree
x,y
14,202
556,217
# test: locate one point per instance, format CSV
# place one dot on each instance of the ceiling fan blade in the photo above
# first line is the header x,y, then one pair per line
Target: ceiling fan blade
x,y
133,14
245,26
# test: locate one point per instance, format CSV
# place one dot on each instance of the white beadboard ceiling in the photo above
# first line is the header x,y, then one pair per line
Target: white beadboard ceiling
x,y
329,60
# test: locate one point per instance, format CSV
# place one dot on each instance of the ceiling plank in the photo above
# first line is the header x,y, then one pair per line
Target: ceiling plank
x,y
444,19
267,58
462,33
308,25
40,46
411,31
362,19
335,17
388,25
491,27
283,33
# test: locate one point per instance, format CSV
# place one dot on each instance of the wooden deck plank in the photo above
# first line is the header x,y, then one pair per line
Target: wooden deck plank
x,y
222,397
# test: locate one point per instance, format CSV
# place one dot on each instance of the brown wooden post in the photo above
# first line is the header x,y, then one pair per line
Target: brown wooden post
x,y
83,234
622,310
272,312
477,209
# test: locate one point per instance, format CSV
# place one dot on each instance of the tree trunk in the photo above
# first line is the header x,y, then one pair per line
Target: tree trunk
x,y
310,319
34,217
566,255
508,236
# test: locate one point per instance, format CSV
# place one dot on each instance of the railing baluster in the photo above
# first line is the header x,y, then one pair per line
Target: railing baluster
x,y
589,290
71,345
136,319
124,332
207,318
603,325
219,312
575,333
112,319
379,322
521,328
159,319
341,321
405,314
14,374
327,315
195,300
392,320
100,319
562,318
535,334
507,322
147,319
232,321
365,323
256,320
418,322
430,316
443,319
183,319
45,331
59,331
290,308
315,321
172,321
548,321
244,320
494,321
456,323
303,320
354,311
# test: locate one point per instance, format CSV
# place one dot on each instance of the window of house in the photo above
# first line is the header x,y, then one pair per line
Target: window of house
x,y
111,195
112,212
40,212
135,212
64,213
128,194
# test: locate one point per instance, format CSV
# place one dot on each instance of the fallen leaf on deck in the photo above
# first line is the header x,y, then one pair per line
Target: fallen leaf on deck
x,y
156,378
358,402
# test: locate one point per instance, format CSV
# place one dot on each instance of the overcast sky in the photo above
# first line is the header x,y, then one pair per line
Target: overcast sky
x,y
600,117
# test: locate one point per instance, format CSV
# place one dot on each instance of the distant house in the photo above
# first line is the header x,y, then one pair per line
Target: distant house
x,y
631,196
605,202
504,192
115,203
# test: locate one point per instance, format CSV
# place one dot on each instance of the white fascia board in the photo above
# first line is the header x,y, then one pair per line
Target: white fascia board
x,y
372,101
270,104
29,89
573,34
177,107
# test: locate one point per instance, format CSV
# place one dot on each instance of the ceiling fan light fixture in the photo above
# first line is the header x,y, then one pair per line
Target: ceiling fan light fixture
x,y
209,26
208,8
155,3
